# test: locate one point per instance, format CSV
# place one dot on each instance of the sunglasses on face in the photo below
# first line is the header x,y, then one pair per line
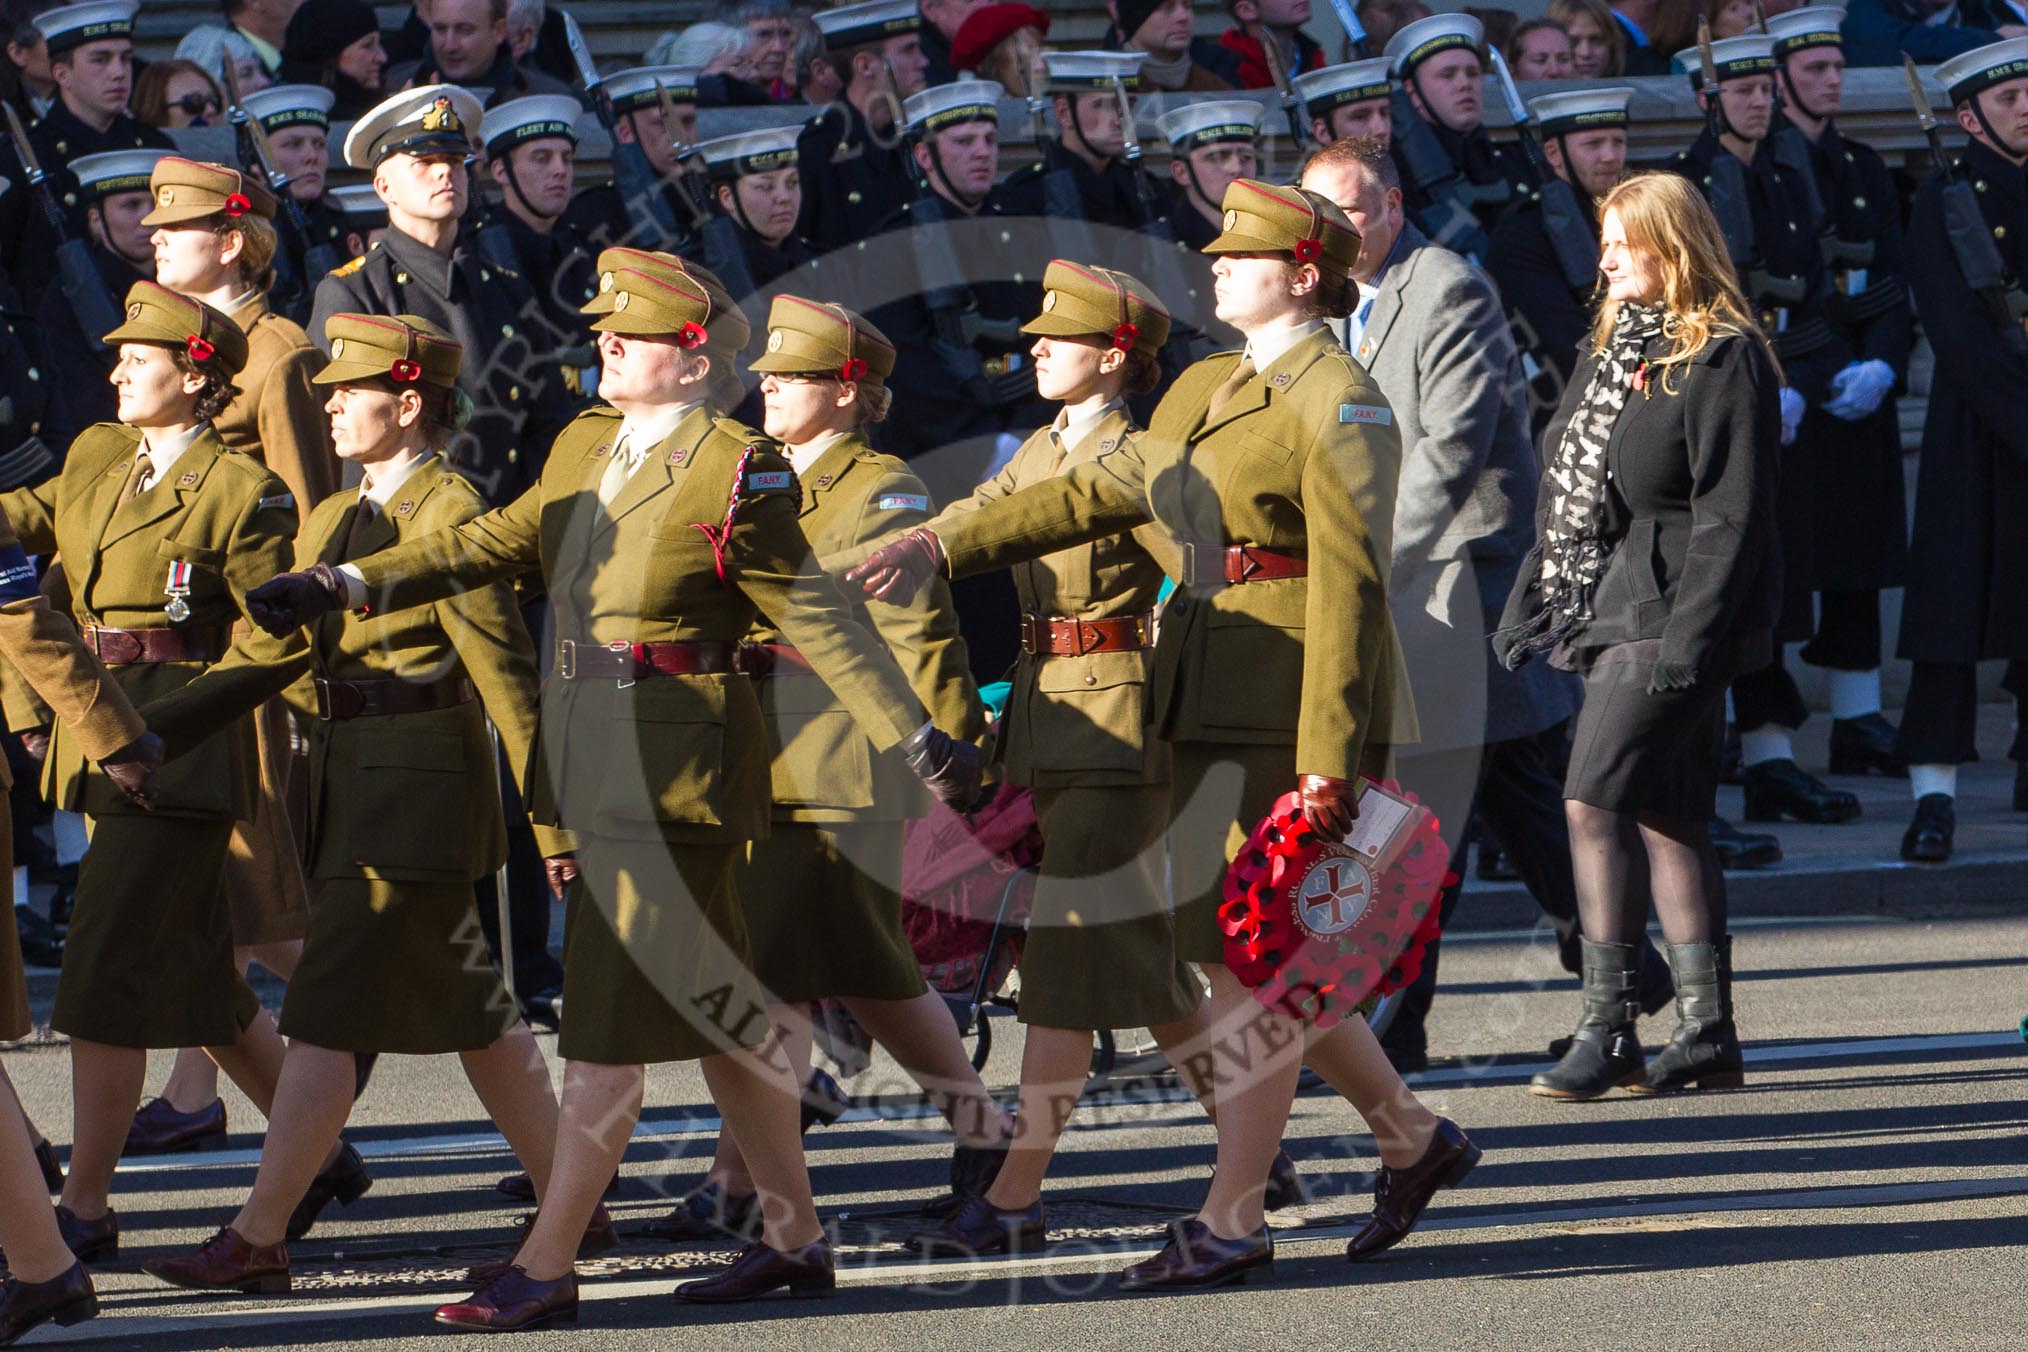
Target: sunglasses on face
x,y
196,105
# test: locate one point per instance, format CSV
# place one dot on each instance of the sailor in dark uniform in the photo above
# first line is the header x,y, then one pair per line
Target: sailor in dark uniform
x,y
1584,138
531,148
855,169
1455,181
416,144
1211,143
362,217
1348,100
1773,239
651,203
756,185
1847,460
1967,594
296,119
1092,140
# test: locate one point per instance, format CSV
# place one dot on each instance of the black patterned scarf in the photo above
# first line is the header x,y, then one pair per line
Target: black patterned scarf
x,y
1573,556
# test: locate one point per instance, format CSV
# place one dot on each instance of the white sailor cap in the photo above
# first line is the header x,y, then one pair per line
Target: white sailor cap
x,y
1811,26
634,89
728,158
359,203
1581,110
113,171
291,105
1976,71
947,105
534,118
1335,86
438,119
1085,72
1415,43
857,25
1213,122
68,27
1733,58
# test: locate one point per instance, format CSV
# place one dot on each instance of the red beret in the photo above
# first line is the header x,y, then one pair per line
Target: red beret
x,y
986,27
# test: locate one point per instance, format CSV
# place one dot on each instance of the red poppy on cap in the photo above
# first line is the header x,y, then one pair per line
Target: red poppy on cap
x,y
1308,250
986,27
853,369
1125,336
404,371
199,350
691,335
237,204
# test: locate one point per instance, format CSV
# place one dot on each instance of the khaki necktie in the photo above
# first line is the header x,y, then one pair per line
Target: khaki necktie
x,y
139,477
619,469
1234,383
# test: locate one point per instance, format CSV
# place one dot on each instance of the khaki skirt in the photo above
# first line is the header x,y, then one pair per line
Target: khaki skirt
x,y
1101,950
823,913
264,887
1219,792
656,965
396,967
149,959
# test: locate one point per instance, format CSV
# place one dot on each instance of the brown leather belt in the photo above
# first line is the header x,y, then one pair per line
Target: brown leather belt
x,y
121,647
1233,564
391,695
772,659
1055,636
633,661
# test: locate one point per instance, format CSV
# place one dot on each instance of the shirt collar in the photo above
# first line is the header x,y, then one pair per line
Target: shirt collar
x,y
1070,430
384,480
164,451
1266,348
802,457
644,432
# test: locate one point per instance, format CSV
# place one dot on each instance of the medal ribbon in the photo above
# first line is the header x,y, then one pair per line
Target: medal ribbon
x,y
179,579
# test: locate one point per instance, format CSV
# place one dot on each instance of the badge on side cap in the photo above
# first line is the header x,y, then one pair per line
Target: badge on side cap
x,y
775,341
1231,219
1048,300
337,347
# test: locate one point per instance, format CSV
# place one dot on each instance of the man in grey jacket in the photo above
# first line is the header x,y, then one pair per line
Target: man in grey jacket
x,y
1431,330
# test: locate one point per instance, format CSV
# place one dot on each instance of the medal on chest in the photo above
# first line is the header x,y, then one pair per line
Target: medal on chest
x,y
178,592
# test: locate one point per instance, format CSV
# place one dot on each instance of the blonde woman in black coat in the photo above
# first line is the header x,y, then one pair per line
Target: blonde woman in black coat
x,y
1655,575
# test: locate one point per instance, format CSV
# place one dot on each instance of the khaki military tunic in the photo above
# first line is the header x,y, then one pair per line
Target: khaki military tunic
x,y
821,893
403,814
1100,951
1284,676
662,779
148,962
43,648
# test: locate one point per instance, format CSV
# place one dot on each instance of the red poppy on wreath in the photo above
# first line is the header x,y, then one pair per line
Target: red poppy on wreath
x,y
199,350
1125,336
853,369
1308,250
691,335
404,371
237,204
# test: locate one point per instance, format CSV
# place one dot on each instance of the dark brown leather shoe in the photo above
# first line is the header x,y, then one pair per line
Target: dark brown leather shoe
x,y
522,1188
514,1301
345,1182
226,1262
52,1168
709,1213
92,1241
1399,1195
981,1228
159,1129
68,1299
807,1271
973,1169
600,1236
1196,1257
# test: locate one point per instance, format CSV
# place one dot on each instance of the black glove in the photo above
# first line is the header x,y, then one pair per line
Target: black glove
x,y
1330,805
288,601
950,769
896,572
1671,675
132,768
1509,651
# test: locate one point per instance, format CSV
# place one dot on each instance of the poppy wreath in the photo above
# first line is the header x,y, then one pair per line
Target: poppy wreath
x,y
1308,250
1319,975
199,350
237,204
1125,336
691,336
404,371
853,369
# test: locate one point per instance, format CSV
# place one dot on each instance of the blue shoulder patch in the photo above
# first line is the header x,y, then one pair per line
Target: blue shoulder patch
x,y
17,575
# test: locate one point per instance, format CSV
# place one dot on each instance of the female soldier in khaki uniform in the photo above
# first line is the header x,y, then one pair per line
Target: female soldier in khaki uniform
x,y
659,529
214,240
1100,952
1276,469
162,531
821,893
400,823
46,1281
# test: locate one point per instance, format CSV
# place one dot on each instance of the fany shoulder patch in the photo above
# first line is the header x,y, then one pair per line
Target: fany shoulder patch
x,y
278,500
904,502
1374,415
769,481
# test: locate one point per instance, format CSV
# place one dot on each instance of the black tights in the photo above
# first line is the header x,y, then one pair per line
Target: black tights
x,y
1621,858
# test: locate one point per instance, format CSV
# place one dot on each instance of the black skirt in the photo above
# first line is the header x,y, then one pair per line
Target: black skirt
x,y
1637,752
